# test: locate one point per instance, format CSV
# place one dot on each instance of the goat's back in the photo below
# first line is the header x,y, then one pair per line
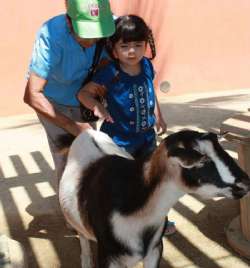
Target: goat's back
x,y
87,148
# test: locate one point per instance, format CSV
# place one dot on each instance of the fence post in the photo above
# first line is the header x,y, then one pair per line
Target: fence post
x,y
238,231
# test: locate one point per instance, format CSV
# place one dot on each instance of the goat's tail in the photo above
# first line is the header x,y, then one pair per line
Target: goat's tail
x,y
63,142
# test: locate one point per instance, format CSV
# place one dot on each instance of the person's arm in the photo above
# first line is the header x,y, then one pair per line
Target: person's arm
x,y
161,125
35,98
88,97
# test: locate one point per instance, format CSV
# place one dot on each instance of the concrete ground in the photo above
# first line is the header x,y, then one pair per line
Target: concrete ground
x,y
29,211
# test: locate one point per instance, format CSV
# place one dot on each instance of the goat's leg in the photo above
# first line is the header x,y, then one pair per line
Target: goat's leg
x,y
102,257
152,260
87,260
105,262
112,264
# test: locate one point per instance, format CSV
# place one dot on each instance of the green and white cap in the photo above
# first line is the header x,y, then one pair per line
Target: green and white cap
x,y
91,18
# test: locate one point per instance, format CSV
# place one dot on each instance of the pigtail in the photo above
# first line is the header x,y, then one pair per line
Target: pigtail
x,y
109,48
152,44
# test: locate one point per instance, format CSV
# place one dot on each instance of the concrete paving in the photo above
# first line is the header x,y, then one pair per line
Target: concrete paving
x,y
29,211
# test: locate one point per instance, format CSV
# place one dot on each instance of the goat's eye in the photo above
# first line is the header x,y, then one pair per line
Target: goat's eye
x,y
205,159
198,149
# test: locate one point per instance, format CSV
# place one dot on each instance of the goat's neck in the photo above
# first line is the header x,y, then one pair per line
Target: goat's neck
x,y
157,168
168,194
163,176
161,199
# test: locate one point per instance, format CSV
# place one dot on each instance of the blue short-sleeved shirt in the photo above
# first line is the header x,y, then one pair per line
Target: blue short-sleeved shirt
x,y
131,103
59,59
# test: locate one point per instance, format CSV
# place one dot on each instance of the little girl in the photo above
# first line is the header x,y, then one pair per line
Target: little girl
x,y
127,85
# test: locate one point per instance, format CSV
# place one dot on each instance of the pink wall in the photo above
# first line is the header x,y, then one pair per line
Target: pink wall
x,y
19,21
202,45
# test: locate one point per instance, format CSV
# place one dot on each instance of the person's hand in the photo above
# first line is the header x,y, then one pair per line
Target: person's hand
x,y
82,126
161,126
102,113
75,128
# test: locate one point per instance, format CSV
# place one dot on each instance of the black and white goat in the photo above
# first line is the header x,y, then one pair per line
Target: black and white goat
x,y
121,203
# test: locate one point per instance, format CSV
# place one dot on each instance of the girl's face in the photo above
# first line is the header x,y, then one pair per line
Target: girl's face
x,y
129,53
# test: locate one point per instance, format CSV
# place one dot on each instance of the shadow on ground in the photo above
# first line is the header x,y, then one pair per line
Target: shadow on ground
x,y
211,221
46,224
202,113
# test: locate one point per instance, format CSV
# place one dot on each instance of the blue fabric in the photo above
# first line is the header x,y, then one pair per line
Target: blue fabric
x,y
59,59
131,103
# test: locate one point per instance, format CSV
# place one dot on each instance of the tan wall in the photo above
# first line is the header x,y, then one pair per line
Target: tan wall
x,y
202,45
19,21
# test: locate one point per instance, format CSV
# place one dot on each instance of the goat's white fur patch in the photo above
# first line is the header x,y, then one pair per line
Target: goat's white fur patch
x,y
206,147
207,191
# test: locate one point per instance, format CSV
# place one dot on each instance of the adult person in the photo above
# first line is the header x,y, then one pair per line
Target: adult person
x,y
62,56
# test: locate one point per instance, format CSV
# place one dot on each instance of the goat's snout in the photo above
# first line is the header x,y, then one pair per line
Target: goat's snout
x,y
239,193
241,189
246,182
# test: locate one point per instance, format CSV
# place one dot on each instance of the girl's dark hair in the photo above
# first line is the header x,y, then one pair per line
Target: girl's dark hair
x,y
131,28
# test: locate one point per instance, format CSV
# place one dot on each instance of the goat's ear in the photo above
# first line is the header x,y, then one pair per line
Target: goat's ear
x,y
215,137
187,157
222,136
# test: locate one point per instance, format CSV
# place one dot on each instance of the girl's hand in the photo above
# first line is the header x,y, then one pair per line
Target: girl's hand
x,y
75,128
80,127
102,113
161,125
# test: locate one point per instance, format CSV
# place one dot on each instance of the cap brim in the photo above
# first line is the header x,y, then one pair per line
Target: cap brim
x,y
93,29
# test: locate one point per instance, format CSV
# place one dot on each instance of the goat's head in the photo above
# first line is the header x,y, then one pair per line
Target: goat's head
x,y
206,168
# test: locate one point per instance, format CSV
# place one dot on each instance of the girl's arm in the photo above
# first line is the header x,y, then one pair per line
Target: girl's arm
x,y
88,97
161,125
